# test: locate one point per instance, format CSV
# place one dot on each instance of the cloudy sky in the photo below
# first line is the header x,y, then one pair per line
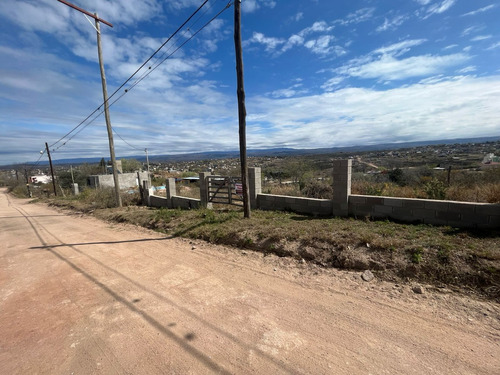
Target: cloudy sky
x,y
318,73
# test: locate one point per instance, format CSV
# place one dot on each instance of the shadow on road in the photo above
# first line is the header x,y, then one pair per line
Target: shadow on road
x,y
181,341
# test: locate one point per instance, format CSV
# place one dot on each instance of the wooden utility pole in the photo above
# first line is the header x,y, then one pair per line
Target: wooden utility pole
x,y
51,168
118,198
241,107
27,182
147,162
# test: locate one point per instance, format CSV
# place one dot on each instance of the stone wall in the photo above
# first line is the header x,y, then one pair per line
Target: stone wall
x,y
185,203
309,206
126,180
455,214
427,211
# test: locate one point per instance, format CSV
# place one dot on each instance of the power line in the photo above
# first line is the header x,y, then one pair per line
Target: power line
x,y
128,79
148,72
119,136
157,58
178,48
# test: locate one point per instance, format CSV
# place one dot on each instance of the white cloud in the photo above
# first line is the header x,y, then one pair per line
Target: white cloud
x,y
400,48
298,16
294,40
332,83
323,46
289,92
472,29
481,37
320,45
269,42
494,46
441,7
361,15
250,6
467,69
389,68
317,27
480,10
436,8
441,110
392,24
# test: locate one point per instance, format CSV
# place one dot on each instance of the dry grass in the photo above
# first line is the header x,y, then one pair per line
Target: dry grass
x,y
188,191
484,193
282,189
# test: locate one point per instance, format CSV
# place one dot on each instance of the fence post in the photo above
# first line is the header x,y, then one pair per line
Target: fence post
x,y
75,190
170,191
341,187
146,191
204,190
255,185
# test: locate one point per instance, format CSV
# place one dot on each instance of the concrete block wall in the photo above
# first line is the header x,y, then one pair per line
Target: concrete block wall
x,y
174,202
426,211
341,186
254,185
125,180
185,203
158,202
310,206
455,214
204,189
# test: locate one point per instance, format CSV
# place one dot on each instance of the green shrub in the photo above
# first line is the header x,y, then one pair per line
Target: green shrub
x,y
435,189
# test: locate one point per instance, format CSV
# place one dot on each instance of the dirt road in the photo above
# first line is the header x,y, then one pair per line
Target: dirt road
x,y
79,296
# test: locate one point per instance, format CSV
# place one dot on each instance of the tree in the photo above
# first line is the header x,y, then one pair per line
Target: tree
x,y
397,176
102,166
131,165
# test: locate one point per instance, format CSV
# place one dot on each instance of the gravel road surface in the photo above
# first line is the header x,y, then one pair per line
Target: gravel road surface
x,y
81,296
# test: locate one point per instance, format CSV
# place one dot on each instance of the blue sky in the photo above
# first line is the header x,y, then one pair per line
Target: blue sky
x,y
317,74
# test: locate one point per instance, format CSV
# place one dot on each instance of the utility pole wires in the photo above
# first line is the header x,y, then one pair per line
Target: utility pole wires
x,y
51,168
241,107
147,161
118,198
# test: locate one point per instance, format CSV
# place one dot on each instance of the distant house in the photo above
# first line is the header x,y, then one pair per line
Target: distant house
x,y
126,180
491,159
40,179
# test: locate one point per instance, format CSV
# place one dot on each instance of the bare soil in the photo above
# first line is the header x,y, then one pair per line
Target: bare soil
x,y
78,295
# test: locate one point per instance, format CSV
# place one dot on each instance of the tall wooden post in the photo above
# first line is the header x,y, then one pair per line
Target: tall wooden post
x,y
241,107
27,181
118,198
51,169
147,162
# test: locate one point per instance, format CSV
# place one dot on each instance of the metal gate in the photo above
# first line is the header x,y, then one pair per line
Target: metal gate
x,y
225,190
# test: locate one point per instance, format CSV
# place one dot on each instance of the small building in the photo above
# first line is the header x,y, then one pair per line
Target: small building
x,y
40,179
491,159
126,180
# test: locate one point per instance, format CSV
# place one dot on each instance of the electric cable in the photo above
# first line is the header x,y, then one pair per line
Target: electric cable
x,y
128,79
150,70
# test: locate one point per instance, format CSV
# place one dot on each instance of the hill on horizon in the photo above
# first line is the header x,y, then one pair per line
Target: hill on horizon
x,y
270,152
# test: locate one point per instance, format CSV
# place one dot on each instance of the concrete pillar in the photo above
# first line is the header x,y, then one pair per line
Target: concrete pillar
x,y
170,191
254,185
74,189
341,186
147,192
204,189
119,167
